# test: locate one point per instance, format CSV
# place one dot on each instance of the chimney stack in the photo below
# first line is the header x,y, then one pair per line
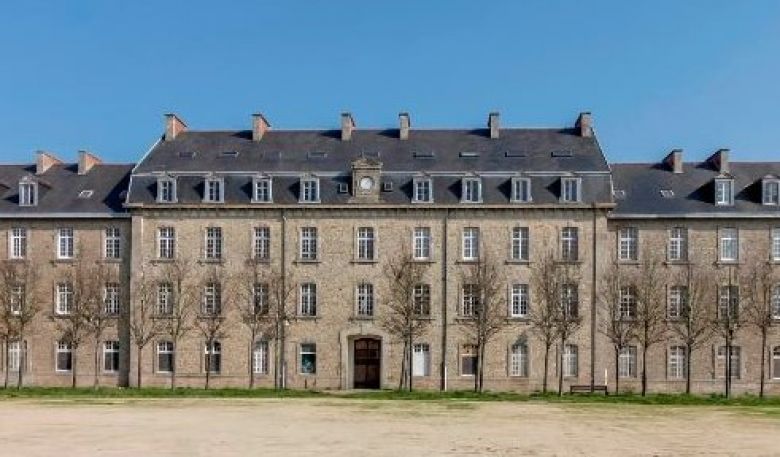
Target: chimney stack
x,y
585,124
675,160
173,126
404,124
721,161
347,126
44,160
493,124
87,160
260,125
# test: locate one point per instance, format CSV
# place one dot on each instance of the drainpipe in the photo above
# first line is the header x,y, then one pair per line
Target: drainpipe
x,y
444,284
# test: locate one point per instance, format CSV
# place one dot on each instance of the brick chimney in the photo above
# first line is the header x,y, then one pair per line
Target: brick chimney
x,y
87,160
404,125
675,160
173,126
584,124
721,161
260,125
44,160
493,124
347,126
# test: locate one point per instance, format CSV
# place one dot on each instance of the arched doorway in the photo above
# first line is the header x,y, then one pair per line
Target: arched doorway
x,y
367,354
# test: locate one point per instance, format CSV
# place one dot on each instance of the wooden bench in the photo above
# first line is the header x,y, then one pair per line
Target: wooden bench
x,y
586,389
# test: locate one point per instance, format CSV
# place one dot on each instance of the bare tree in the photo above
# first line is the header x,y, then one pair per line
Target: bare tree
x,y
144,327
546,286
98,316
567,317
181,295
618,323
727,320
757,305
211,320
407,307
19,305
650,280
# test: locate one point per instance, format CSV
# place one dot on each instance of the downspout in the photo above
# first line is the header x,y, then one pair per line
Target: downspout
x,y
283,324
444,285
593,305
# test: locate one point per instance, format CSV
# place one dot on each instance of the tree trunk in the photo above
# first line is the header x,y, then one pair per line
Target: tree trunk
x,y
644,369
96,361
763,362
411,363
138,366
617,370
22,360
252,362
173,367
482,367
6,342
74,364
688,363
728,367
402,378
560,370
546,367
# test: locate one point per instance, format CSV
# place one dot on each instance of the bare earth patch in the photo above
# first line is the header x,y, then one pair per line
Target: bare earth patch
x,y
324,427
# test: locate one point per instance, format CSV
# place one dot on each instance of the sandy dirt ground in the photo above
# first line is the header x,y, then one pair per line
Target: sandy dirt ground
x,y
336,427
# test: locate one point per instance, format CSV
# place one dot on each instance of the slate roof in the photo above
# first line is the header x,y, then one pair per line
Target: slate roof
x,y
59,188
694,190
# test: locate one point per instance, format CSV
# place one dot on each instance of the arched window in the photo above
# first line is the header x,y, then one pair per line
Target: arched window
x,y
518,362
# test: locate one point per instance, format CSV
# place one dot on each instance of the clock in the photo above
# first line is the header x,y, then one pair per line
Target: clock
x,y
366,183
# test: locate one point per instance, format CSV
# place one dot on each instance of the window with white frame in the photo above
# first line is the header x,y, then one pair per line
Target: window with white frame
x,y
735,368
677,306
422,243
678,244
164,299
724,192
308,243
64,298
469,300
212,357
17,243
261,298
519,300
366,243
15,355
775,301
212,299
165,356
308,358
729,245
423,190
262,190
262,243
260,357
213,243
570,300
28,193
18,297
214,190
627,308
771,192
677,363
628,244
570,250
65,243
111,298
166,190
627,362
518,362
776,362
365,300
166,243
470,243
776,244
570,361
308,299
422,299
421,359
471,190
520,244
64,356
310,190
521,190
728,302
110,356
112,243
468,360
570,190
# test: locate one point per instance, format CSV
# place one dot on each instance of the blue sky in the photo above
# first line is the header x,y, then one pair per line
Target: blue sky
x,y
98,75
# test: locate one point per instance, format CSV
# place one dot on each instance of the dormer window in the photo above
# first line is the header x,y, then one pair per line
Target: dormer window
x,y
724,191
214,190
423,190
570,190
262,190
28,193
166,190
521,190
771,191
471,189
310,190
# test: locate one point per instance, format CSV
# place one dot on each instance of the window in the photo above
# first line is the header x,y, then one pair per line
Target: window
x,y
111,298
775,301
112,240
308,299
519,300
260,296
469,300
65,243
17,244
212,357
262,190
64,299
628,248
28,193
518,362
166,190
570,190
678,244
64,359
18,296
729,245
165,356
262,243
521,190
15,355
260,357
422,300
421,360
570,362
570,300
570,250
166,241
677,305
308,363
310,190
471,190
365,300
627,362
776,362
213,191
212,299
365,243
213,249
422,243
724,192
627,303
771,192
470,243
111,356
468,360
720,362
308,243
776,244
423,190
164,299
677,363
728,302
520,244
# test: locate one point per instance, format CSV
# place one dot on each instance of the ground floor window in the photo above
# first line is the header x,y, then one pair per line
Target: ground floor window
x,y
518,363
627,362
776,362
677,365
111,356
64,359
570,361
468,360
213,356
165,356
421,360
260,356
308,361
720,362
15,349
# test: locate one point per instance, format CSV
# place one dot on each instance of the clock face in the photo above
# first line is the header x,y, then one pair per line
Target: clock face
x,y
366,183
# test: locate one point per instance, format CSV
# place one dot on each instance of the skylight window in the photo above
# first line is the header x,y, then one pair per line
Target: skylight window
x,y
186,154
229,154
667,193
469,154
562,153
423,154
86,193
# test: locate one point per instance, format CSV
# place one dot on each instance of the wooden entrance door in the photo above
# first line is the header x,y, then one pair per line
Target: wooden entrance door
x,y
367,357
